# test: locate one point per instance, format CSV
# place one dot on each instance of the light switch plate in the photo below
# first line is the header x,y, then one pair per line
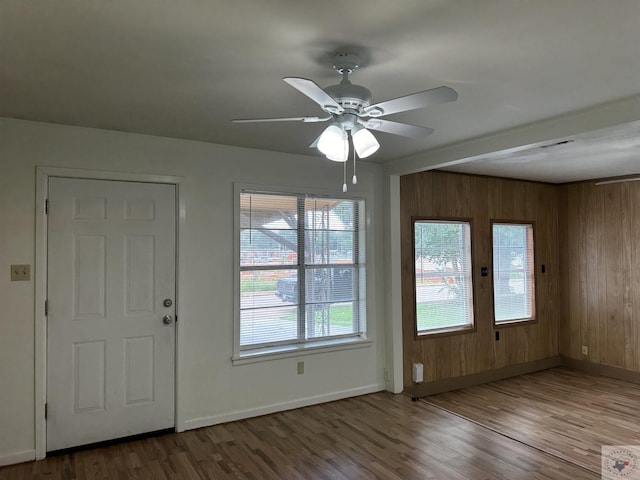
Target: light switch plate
x,y
20,273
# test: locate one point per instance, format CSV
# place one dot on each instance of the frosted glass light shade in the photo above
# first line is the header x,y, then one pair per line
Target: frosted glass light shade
x,y
342,155
364,142
334,143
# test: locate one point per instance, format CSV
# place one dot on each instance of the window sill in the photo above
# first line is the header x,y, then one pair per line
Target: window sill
x,y
513,323
443,332
274,353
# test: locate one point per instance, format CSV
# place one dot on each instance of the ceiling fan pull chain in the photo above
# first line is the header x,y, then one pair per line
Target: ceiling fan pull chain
x,y
354,180
344,177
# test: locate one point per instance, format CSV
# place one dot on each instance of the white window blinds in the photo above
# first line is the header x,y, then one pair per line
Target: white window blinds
x,y
443,283
513,272
301,269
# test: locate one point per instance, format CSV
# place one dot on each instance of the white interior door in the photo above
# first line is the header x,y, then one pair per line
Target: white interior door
x,y
111,306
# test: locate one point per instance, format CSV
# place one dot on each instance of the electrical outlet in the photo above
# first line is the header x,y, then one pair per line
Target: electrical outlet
x,y
585,350
300,368
20,273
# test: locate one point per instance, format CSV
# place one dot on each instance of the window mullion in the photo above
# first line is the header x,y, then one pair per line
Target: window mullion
x,y
355,258
302,261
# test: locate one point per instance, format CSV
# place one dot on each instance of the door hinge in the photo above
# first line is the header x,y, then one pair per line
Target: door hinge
x,y
46,410
46,206
46,307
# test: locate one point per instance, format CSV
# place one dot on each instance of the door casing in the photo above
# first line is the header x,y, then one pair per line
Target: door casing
x,y
40,283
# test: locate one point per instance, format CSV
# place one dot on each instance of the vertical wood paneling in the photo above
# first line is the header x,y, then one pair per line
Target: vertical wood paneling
x,y
547,283
601,278
591,272
613,273
481,199
480,354
602,238
634,209
564,265
582,253
552,281
574,287
627,306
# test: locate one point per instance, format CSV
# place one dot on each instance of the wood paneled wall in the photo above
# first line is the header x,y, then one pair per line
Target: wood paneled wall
x,y
600,266
482,199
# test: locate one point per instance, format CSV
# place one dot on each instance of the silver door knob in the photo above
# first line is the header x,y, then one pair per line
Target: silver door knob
x,y
167,319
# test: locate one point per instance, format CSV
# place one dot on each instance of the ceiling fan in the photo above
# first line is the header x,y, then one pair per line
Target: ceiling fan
x,y
352,115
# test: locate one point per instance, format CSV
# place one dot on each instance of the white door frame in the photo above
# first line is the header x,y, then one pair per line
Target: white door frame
x,y
40,279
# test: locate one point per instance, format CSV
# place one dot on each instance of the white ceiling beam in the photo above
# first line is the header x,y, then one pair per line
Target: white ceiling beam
x,y
610,114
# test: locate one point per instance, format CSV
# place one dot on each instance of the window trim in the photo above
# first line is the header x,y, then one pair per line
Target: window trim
x,y
519,321
328,344
448,331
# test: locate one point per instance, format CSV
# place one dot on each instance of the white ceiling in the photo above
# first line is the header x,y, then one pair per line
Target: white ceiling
x,y
185,69
596,154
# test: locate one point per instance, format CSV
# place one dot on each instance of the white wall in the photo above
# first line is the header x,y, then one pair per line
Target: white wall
x,y
212,390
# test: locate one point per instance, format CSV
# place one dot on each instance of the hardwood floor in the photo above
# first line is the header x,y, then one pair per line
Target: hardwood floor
x,y
562,412
377,436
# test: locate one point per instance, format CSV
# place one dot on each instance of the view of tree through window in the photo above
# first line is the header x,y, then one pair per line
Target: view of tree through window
x,y
301,269
443,284
513,272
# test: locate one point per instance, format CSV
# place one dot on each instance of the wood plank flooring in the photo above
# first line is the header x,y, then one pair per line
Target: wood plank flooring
x,y
377,436
562,412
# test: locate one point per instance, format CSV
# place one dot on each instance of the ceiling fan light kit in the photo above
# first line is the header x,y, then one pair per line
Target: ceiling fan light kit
x,y
353,115
364,142
334,142
339,156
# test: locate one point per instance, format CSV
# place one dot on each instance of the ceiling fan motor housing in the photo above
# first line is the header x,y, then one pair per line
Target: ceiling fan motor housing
x,y
350,96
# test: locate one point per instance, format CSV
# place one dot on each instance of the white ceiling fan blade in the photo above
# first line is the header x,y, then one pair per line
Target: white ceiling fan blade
x,y
315,93
411,102
397,128
282,119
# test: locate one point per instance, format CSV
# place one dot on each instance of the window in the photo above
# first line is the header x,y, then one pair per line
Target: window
x,y
301,270
443,284
513,272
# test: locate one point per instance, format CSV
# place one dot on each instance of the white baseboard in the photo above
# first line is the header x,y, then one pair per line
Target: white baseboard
x,y
17,457
277,407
